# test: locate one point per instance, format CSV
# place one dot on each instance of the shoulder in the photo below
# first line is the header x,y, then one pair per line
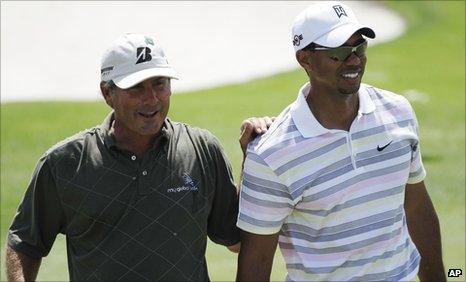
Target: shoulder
x,y
71,146
190,137
281,134
386,99
196,134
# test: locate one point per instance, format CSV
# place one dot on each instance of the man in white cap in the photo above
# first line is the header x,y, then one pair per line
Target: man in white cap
x,y
137,196
337,180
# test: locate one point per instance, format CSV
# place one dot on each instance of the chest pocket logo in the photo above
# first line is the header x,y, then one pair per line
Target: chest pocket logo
x,y
189,185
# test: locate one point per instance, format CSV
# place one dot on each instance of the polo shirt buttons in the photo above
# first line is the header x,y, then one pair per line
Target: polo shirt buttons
x,y
144,172
133,158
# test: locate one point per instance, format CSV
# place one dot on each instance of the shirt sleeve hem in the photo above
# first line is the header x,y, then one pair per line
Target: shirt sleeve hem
x,y
225,242
257,230
417,178
24,249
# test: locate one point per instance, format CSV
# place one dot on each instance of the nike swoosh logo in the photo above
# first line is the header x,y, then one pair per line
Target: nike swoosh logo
x,y
383,147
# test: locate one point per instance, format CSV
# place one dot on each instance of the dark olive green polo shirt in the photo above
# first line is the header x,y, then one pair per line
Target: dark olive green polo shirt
x,y
130,218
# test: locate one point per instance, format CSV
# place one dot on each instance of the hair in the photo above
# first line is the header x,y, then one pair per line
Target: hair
x,y
110,84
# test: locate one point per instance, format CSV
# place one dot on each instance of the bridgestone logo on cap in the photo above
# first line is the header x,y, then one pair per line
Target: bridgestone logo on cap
x,y
143,55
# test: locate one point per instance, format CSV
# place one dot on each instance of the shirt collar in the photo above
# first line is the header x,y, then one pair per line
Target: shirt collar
x,y
366,105
109,138
304,119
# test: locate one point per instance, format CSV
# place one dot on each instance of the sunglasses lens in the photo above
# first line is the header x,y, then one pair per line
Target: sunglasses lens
x,y
361,50
342,53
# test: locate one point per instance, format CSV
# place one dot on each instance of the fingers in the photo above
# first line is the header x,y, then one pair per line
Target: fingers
x,y
247,133
247,127
253,126
262,124
259,125
268,121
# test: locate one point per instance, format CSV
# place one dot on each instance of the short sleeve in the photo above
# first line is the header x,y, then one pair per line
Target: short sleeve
x,y
39,217
221,226
417,172
265,202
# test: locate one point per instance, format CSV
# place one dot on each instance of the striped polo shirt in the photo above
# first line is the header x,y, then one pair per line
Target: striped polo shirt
x,y
336,197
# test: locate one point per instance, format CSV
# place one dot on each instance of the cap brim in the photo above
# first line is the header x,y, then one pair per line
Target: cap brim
x,y
127,81
341,34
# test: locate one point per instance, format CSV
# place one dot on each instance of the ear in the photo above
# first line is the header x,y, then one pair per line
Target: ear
x,y
107,93
303,58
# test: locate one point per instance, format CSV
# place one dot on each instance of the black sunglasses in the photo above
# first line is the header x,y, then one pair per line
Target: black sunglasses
x,y
343,52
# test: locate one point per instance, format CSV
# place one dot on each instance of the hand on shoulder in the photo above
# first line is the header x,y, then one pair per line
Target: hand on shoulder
x,y
251,127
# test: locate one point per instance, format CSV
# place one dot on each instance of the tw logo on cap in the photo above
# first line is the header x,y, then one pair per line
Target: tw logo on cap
x,y
340,11
297,39
143,55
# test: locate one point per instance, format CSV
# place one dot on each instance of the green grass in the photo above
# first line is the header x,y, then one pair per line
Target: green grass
x,y
429,58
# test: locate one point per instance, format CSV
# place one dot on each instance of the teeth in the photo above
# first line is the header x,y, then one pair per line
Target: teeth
x,y
350,75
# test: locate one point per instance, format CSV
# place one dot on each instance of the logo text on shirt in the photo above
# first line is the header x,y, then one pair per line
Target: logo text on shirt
x,y
189,185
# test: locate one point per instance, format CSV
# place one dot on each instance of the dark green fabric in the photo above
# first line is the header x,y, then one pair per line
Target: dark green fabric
x,y
130,218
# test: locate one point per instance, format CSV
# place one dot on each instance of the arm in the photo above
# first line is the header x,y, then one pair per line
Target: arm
x,y
20,267
235,248
256,256
35,226
424,229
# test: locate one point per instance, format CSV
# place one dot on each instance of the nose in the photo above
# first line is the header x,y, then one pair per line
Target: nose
x,y
353,60
150,95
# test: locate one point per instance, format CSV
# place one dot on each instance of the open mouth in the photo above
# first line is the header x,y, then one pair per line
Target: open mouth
x,y
148,114
350,75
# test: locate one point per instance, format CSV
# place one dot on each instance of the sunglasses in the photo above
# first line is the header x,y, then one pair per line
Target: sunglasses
x,y
342,53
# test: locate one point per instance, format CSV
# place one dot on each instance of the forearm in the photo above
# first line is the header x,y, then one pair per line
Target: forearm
x,y
253,269
425,234
424,229
20,267
255,258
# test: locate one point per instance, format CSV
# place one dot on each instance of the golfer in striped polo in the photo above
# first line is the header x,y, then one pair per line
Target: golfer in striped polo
x,y
337,180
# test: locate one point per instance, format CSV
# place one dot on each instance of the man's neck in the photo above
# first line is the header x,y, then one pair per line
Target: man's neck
x,y
333,110
131,141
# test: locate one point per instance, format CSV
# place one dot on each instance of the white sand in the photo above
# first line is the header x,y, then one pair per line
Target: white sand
x,y
51,50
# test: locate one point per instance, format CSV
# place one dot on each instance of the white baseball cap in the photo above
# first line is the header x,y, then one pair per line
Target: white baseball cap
x,y
133,58
327,23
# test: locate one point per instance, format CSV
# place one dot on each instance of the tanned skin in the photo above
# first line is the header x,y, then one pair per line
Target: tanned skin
x,y
20,267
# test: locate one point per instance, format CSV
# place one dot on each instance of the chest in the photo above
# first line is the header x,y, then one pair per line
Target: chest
x,y
166,192
344,167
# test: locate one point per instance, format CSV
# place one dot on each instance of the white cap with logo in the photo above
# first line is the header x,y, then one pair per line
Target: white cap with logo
x,y
327,23
133,58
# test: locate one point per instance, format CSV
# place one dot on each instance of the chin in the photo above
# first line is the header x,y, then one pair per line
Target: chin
x,y
349,90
